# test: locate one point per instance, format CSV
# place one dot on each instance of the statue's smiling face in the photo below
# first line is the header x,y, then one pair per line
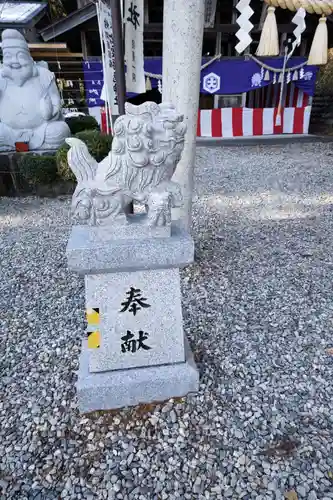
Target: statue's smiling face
x,y
17,65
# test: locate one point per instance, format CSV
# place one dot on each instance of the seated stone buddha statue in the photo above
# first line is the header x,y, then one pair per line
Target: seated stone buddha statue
x,y
30,106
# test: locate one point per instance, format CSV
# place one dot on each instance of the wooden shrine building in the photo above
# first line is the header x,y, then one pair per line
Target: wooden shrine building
x,y
239,94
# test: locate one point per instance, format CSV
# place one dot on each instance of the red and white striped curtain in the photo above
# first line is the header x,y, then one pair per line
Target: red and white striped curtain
x,y
238,122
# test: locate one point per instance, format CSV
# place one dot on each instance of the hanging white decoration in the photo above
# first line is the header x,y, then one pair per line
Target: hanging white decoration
x,y
299,20
301,73
134,23
267,76
148,84
318,52
274,78
210,11
295,76
269,38
245,26
280,80
262,73
159,86
288,77
60,83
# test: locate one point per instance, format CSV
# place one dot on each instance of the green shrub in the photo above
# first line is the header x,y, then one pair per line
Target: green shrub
x,y
37,169
80,123
98,144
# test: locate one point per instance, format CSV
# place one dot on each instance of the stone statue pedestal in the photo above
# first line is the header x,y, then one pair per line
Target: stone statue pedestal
x,y
134,350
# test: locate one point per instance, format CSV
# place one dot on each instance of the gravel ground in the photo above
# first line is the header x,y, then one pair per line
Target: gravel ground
x,y
258,312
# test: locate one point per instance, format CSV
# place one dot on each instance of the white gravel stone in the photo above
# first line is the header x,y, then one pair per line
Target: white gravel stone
x,y
301,490
258,308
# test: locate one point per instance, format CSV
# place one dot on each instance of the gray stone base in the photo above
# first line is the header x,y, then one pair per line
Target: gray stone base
x,y
117,389
90,252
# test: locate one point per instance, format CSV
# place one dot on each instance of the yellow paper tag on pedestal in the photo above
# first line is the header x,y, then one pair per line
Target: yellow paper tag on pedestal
x,y
92,316
94,339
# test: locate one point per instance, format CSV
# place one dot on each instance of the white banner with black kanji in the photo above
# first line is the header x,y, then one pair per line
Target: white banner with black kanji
x,y
109,91
134,24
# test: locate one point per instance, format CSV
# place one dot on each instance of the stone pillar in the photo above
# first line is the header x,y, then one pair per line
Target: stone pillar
x,y
183,26
135,350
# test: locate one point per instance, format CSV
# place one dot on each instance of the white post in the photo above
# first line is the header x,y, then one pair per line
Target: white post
x,y
183,26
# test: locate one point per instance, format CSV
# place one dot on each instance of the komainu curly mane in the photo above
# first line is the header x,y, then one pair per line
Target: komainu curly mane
x,y
146,147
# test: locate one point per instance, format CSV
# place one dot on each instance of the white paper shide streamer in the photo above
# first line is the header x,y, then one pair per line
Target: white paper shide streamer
x,y
134,23
109,91
210,11
299,20
245,26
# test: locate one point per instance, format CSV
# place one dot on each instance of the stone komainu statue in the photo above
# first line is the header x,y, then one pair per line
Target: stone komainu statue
x,y
30,105
147,145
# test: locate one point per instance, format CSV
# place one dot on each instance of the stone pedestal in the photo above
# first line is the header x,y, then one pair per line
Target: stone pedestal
x,y
134,351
